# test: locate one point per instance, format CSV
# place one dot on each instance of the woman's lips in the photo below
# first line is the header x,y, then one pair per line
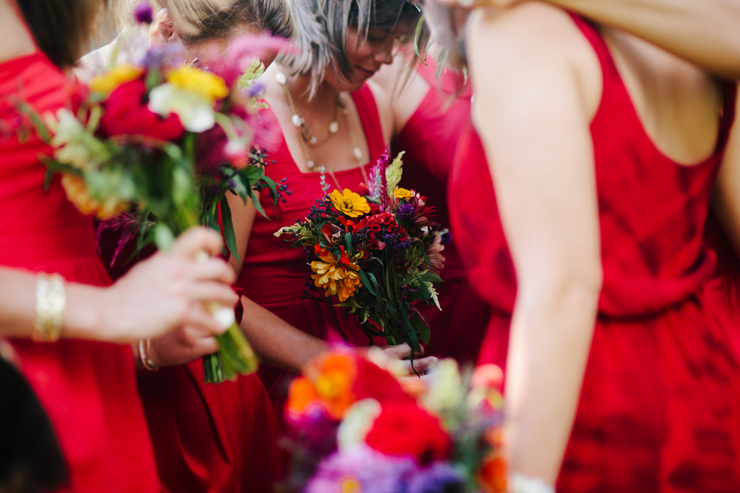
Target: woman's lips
x,y
367,73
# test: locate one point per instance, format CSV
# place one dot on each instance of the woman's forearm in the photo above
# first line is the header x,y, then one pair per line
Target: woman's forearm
x,y
548,350
278,343
704,32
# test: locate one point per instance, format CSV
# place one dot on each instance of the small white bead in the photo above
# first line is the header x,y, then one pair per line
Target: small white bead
x,y
281,79
310,164
297,120
357,152
334,127
313,140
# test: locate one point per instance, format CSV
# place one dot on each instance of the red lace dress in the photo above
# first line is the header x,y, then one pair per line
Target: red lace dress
x,y
274,274
659,408
87,388
430,139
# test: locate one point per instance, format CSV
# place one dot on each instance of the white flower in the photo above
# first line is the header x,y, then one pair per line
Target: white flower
x,y
196,113
446,388
357,423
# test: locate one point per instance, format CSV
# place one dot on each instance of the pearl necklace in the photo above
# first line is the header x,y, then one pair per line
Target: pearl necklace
x,y
304,130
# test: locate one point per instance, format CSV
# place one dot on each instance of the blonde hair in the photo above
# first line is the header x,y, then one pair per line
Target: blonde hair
x,y
217,19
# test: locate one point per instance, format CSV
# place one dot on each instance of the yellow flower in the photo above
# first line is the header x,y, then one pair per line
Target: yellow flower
x,y
349,203
402,193
116,76
336,278
77,194
208,86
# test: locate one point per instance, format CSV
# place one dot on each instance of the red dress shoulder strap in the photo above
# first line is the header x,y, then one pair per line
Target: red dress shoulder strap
x,y
370,118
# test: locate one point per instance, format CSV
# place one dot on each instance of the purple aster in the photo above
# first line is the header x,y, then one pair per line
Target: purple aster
x,y
143,13
405,212
446,237
439,478
372,471
256,89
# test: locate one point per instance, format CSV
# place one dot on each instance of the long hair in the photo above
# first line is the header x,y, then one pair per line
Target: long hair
x,y
61,28
322,32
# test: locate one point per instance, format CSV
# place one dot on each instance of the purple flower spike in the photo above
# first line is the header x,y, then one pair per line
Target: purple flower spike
x,y
143,13
257,89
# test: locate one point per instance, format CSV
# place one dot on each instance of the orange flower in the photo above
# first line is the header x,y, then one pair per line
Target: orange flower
x,y
337,277
492,474
301,394
77,194
333,378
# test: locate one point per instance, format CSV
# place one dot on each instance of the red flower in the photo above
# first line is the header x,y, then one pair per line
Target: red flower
x,y
126,114
403,428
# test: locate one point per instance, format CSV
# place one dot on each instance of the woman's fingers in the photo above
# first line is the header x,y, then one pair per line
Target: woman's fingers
x,y
420,365
400,351
196,240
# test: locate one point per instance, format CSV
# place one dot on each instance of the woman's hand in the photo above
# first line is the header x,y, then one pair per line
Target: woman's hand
x,y
402,352
168,292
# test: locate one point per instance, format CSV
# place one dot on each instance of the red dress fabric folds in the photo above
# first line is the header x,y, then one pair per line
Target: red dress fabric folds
x,y
658,410
87,388
430,139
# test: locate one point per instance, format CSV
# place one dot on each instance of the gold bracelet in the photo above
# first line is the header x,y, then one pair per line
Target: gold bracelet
x,y
146,362
51,302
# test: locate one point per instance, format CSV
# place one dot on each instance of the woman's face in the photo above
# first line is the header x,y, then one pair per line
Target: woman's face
x,y
365,55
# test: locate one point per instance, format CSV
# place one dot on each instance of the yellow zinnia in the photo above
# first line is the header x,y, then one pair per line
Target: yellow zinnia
x,y
336,278
402,193
349,203
113,78
208,86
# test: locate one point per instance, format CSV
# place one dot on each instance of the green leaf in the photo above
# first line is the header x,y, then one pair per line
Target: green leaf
x,y
428,276
256,202
348,242
182,186
163,237
366,282
228,228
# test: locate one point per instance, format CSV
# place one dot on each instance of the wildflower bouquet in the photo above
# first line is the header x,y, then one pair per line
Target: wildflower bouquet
x,y
353,425
170,141
377,255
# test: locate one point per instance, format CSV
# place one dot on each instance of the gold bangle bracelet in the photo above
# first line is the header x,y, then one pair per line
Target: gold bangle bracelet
x,y
146,362
51,303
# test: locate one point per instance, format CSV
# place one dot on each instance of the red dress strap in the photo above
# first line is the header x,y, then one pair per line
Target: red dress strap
x,y
370,118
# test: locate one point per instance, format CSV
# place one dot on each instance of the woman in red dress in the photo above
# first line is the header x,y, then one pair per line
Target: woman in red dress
x,y
429,110
326,91
603,151
205,437
85,380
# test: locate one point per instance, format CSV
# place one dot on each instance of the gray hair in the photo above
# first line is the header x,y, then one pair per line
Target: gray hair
x,y
321,33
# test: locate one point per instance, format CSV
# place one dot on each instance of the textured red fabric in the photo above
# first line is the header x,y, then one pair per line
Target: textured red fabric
x,y
88,388
658,410
274,274
211,438
430,139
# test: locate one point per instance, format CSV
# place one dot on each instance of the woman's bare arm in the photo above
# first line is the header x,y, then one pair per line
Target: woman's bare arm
x,y
704,32
157,296
533,118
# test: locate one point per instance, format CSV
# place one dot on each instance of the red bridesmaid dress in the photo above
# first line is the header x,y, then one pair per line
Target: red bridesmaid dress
x,y
274,274
659,408
206,438
88,388
430,139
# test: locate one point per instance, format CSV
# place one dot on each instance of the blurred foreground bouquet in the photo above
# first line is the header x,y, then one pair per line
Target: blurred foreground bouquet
x,y
167,141
353,425
376,253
